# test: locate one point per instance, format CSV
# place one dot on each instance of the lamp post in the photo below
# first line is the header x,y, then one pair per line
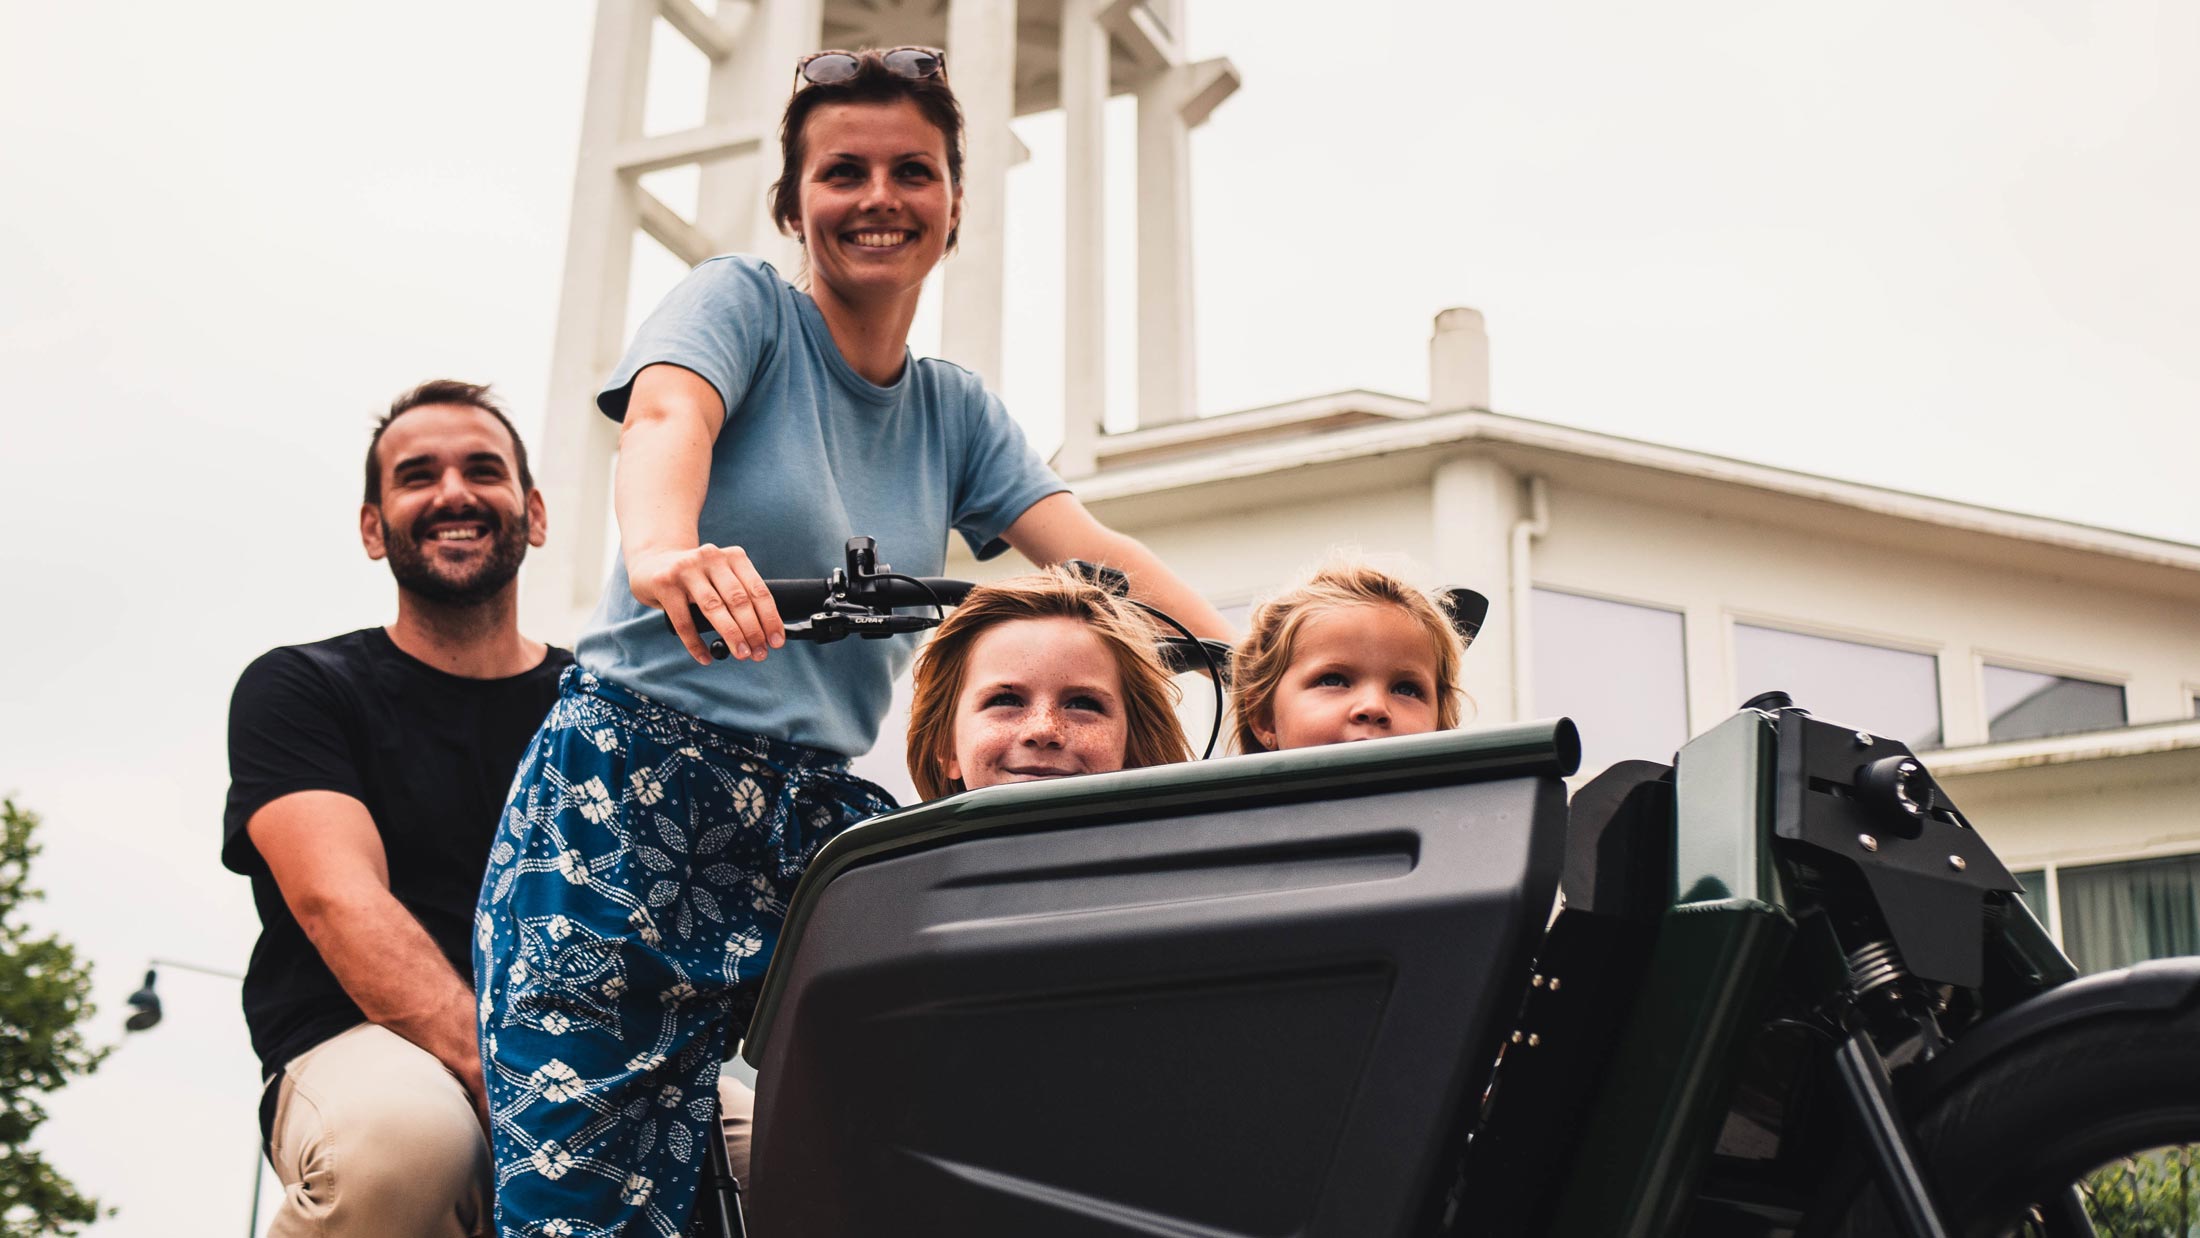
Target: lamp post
x,y
145,1003
145,1013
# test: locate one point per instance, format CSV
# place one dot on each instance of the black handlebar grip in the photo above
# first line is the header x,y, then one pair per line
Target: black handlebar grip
x,y
797,598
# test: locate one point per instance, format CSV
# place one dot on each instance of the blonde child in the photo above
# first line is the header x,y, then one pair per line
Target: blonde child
x,y
1039,676
1351,654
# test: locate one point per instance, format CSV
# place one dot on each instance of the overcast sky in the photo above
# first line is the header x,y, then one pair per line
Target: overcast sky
x,y
1947,248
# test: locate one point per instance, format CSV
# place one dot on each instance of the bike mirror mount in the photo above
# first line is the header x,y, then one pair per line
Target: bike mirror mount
x,y
1180,654
862,556
1771,702
1468,610
1110,579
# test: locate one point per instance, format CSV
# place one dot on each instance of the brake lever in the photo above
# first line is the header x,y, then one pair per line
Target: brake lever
x,y
839,625
806,629
879,627
829,626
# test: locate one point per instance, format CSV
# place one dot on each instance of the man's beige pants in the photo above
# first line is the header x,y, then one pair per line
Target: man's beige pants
x,y
373,1137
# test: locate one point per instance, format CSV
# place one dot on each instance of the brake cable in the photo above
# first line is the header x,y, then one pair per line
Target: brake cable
x,y
1115,582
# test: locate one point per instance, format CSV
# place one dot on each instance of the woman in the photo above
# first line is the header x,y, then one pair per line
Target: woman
x,y
1035,677
668,805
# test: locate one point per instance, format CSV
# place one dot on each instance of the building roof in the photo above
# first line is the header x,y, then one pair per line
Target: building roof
x,y
1232,460
2144,739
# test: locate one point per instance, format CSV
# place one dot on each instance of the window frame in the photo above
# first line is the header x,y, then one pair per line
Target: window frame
x,y
1732,617
1983,658
2050,916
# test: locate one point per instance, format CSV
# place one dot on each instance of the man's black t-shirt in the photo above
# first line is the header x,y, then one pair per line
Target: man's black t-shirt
x,y
431,755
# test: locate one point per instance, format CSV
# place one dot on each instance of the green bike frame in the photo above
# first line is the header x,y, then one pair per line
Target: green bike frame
x,y
1738,941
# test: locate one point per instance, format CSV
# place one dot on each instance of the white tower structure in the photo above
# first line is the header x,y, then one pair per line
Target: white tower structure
x,y
1005,58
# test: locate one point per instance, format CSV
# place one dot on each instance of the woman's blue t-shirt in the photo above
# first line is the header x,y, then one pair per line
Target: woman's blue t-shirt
x,y
810,455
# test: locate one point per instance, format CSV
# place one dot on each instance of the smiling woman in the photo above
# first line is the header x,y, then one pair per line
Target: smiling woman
x,y
855,156
669,805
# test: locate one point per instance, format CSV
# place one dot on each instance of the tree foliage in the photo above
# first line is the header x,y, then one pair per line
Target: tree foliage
x,y
2153,1195
44,993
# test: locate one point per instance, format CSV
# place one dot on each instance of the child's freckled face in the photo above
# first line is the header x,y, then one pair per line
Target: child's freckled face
x,y
1357,672
1041,698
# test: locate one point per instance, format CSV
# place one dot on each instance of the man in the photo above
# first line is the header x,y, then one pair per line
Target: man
x,y
368,772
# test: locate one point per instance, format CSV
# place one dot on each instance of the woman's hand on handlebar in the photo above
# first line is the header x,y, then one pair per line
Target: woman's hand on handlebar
x,y
720,582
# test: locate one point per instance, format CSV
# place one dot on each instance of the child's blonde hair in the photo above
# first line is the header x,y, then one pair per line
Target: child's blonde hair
x,y
1154,736
1258,665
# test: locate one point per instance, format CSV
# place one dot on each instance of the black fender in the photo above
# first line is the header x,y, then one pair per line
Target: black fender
x,y
2163,984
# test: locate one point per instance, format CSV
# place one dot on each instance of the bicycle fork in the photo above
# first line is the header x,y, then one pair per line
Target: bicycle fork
x,y
720,1204
1868,1095
1869,1098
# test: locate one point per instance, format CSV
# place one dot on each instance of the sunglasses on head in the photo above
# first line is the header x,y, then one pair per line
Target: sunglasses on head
x,y
828,68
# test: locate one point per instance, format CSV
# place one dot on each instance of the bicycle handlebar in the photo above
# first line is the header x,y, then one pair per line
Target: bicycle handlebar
x,y
798,598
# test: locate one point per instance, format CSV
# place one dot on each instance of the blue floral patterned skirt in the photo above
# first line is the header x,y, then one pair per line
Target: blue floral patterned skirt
x,y
635,891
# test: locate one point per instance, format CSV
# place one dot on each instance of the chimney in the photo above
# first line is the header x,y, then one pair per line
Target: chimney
x,y
1458,362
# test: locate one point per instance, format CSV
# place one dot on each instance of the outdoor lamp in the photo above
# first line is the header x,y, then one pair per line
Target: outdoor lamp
x,y
144,1006
145,1013
145,1003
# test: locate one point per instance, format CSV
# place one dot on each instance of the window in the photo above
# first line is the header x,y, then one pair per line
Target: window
x,y
1890,692
2117,914
2034,881
2030,705
1616,670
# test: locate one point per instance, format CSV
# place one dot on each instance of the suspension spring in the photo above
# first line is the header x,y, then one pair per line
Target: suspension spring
x,y
1902,1009
1874,966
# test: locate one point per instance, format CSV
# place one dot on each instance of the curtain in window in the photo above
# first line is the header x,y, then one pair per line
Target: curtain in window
x,y
2118,914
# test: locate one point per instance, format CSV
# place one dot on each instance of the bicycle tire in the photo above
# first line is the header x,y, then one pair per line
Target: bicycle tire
x,y
2040,1116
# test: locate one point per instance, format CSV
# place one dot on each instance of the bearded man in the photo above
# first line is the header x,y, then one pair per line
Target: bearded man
x,y
367,775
